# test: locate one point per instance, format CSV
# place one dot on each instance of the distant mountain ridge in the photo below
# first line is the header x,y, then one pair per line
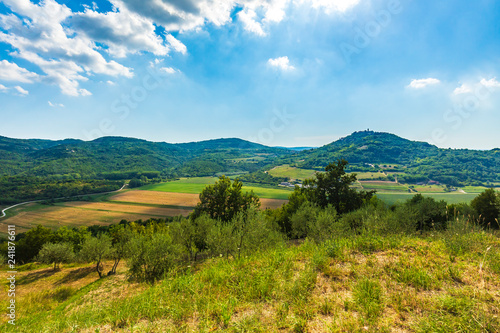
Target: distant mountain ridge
x,y
102,156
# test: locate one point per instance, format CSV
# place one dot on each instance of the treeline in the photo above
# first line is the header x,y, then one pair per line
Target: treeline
x,y
260,177
24,188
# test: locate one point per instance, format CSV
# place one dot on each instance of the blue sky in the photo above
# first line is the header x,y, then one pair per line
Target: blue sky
x,y
277,72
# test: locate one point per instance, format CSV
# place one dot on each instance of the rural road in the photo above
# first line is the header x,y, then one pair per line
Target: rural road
x,y
76,196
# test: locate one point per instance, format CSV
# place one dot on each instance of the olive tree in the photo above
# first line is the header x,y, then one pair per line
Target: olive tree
x,y
56,253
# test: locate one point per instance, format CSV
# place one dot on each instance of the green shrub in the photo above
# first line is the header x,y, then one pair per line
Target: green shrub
x,y
152,256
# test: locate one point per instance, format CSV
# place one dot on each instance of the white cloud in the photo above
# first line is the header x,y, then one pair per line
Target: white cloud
x,y
333,5
247,17
169,70
463,89
282,63
491,83
69,47
21,91
12,72
422,83
61,53
54,105
16,90
123,32
176,44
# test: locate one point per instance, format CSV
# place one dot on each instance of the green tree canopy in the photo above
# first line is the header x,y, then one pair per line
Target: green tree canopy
x,y
223,200
333,187
96,249
487,205
56,253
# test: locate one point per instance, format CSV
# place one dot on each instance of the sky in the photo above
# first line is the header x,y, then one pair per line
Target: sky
x,y
277,72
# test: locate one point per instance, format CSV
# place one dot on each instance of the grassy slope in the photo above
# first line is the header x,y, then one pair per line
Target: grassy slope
x,y
441,282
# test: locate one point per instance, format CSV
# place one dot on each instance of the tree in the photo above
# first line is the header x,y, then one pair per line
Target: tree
x,y
152,255
223,200
427,212
56,253
30,243
120,237
487,205
96,249
333,188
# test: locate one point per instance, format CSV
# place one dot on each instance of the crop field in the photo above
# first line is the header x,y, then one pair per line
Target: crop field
x,y
430,189
383,186
196,185
369,175
474,189
450,198
291,172
71,216
176,199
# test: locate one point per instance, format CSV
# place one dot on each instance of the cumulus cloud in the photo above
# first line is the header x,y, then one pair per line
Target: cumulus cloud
x,y
41,38
123,32
422,83
463,89
282,63
69,47
12,72
491,83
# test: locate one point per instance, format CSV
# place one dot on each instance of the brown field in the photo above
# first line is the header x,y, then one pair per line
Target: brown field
x,y
123,208
81,213
176,199
157,198
58,216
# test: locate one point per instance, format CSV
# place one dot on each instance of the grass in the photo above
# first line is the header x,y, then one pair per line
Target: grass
x,y
450,198
291,172
196,185
368,282
383,186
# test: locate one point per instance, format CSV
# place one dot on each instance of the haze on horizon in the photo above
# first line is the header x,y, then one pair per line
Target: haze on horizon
x,y
277,72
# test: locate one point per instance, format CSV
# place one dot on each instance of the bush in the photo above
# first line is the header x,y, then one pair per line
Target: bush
x,y
152,256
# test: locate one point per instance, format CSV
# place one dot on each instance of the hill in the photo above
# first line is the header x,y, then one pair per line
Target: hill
x,y
410,161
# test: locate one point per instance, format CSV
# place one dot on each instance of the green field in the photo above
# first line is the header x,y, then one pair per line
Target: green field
x,y
450,198
369,175
384,187
291,172
196,185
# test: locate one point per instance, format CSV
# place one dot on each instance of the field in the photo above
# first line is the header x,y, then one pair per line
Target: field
x,y
383,186
196,185
67,215
179,198
291,172
369,175
175,199
129,205
450,198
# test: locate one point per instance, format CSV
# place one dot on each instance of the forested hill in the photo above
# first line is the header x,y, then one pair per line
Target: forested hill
x,y
115,157
418,161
